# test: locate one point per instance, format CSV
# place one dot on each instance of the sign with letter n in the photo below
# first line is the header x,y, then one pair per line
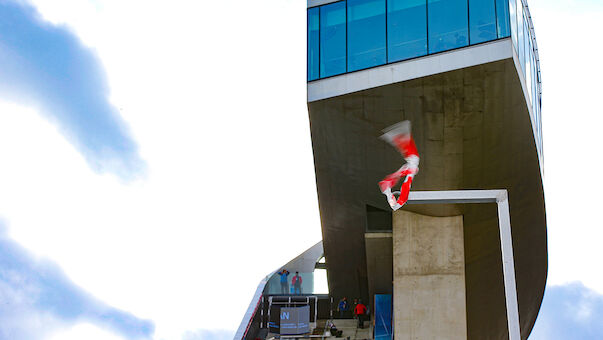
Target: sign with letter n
x,y
295,320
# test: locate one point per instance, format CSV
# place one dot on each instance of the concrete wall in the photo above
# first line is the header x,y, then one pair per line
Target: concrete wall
x,y
379,264
429,277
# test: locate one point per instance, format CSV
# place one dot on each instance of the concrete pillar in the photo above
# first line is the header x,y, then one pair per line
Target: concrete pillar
x,y
429,277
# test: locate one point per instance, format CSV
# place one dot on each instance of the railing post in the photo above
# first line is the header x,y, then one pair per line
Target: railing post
x,y
506,247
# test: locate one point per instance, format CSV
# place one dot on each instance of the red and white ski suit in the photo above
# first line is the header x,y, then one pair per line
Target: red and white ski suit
x,y
399,136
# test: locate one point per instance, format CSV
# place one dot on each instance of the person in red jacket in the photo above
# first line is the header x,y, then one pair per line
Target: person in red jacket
x,y
360,312
297,283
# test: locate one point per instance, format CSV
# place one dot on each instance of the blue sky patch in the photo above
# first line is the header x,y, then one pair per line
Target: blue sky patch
x,y
33,293
569,312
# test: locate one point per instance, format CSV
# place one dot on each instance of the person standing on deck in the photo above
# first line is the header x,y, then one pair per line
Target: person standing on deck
x,y
284,282
297,282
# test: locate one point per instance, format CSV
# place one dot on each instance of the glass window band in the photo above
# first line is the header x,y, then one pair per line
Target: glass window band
x,y
358,34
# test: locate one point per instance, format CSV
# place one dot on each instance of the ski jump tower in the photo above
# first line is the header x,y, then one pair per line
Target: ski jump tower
x,y
466,74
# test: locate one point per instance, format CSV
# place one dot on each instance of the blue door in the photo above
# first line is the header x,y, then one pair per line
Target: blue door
x,y
383,317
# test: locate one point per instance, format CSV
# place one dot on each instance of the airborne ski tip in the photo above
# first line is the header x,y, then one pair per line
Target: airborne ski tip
x,y
396,130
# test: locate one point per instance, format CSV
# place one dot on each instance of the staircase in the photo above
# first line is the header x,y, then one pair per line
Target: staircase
x,y
349,328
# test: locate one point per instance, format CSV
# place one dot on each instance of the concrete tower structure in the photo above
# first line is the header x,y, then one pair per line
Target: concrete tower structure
x,y
466,74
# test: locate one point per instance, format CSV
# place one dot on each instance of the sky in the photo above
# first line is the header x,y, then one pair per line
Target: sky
x,y
142,144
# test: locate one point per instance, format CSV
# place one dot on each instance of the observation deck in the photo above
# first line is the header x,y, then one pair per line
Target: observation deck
x,y
345,37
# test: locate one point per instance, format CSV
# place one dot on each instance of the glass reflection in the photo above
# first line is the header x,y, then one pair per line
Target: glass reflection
x,y
520,35
332,39
513,21
502,18
313,42
519,11
535,82
406,29
366,33
352,35
526,45
311,283
528,75
447,24
482,21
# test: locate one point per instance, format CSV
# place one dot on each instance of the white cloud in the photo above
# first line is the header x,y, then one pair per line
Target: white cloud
x,y
21,320
571,127
569,311
205,334
216,100
83,331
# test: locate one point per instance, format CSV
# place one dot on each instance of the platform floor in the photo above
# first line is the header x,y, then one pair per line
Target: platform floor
x,y
348,326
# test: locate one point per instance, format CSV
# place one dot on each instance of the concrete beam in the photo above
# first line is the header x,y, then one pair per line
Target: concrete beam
x,y
410,69
314,3
457,196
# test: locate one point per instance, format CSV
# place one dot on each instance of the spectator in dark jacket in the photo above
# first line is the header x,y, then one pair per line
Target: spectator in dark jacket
x,y
343,307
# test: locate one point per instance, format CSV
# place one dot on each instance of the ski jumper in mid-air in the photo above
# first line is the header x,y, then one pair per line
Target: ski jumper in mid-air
x,y
398,135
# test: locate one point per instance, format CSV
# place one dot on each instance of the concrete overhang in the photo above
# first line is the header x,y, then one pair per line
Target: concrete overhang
x,y
315,3
410,69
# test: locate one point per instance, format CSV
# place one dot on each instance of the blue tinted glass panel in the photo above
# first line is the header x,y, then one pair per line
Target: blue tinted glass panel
x,y
502,18
313,42
535,81
535,98
366,33
539,121
406,29
520,39
447,24
532,68
518,11
482,21
528,75
513,21
526,45
332,39
533,77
